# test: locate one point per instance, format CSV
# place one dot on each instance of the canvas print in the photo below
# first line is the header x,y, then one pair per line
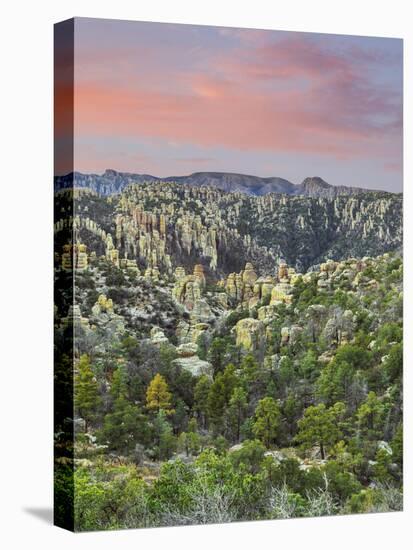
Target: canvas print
x,y
228,274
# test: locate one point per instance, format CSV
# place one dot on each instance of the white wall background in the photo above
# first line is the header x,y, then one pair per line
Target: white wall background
x,y
26,271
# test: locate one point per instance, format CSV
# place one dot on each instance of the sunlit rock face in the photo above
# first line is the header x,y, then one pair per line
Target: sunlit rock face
x,y
168,226
250,334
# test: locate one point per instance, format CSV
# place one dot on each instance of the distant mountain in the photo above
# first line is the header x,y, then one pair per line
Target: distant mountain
x,y
317,187
238,183
111,182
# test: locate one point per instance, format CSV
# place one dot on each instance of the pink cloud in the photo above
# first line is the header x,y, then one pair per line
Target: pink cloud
x,y
293,95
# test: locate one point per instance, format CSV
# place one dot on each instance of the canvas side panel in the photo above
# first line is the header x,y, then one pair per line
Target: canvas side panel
x,y
63,275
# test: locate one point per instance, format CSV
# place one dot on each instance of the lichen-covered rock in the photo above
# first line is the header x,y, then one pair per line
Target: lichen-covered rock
x,y
103,305
285,335
183,331
158,336
129,265
242,287
289,335
179,273
187,291
186,350
199,274
197,330
194,365
250,334
281,293
282,271
152,273
248,275
267,313
201,312
74,257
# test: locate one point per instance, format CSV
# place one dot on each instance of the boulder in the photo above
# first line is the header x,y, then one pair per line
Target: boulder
x,y
158,337
186,350
194,365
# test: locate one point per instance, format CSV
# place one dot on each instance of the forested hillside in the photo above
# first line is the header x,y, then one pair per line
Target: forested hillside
x,y
236,357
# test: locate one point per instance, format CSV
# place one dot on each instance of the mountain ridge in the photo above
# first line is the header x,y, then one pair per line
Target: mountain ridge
x,y
113,182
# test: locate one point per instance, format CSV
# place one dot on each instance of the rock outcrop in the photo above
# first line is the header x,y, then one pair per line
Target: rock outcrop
x,y
250,334
189,360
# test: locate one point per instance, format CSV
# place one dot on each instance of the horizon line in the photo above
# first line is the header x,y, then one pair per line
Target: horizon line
x,y
160,178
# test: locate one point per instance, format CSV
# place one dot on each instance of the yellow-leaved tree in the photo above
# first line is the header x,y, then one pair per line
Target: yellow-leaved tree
x,y
158,396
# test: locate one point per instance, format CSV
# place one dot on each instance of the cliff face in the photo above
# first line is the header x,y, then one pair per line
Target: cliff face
x,y
112,182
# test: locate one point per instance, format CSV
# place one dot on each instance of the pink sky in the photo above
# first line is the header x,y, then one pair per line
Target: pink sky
x,y
173,99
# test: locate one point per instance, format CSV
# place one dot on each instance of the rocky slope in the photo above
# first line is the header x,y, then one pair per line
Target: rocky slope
x,y
223,331
162,226
111,182
179,258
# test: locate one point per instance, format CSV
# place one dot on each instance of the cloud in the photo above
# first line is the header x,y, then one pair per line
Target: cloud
x,y
194,160
294,94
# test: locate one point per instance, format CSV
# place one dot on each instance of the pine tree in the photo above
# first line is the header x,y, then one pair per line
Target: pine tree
x,y
180,417
201,392
216,354
158,396
290,410
164,438
370,416
236,411
219,396
190,441
319,426
267,420
87,399
216,403
309,365
124,425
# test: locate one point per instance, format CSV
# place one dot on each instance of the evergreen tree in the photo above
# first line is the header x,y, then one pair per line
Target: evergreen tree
x,y
202,344
319,426
125,424
291,410
86,395
309,365
190,441
236,411
180,417
267,420
216,354
216,403
397,446
165,442
370,416
394,363
219,396
230,381
201,392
